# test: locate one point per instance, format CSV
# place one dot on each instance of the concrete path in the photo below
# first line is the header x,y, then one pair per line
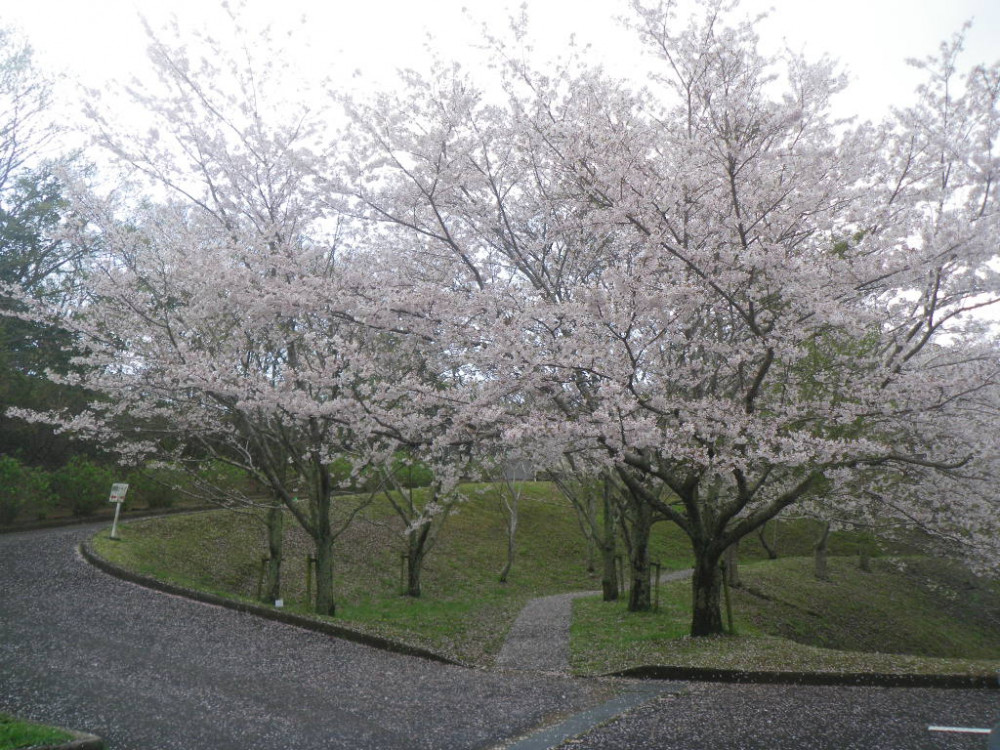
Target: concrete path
x,y
539,639
692,716
710,716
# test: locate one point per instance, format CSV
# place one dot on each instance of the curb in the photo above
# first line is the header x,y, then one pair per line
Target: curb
x,y
84,742
845,679
326,628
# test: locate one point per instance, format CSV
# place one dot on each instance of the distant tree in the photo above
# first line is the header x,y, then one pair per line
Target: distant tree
x,y
513,474
36,263
26,126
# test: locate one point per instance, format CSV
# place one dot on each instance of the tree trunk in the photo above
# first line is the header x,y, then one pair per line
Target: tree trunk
x,y
325,604
414,566
772,548
323,538
591,540
511,530
733,565
864,557
275,536
706,589
511,508
609,575
820,548
609,550
640,594
416,549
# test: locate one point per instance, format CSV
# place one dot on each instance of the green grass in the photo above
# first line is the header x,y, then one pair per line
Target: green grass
x,y
15,733
786,618
464,611
904,605
912,615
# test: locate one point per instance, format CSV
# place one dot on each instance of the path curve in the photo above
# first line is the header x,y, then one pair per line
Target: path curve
x,y
150,671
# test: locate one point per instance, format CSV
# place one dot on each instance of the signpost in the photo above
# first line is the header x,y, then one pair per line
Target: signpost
x,y
118,491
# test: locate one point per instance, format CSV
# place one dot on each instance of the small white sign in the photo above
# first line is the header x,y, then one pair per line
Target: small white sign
x,y
118,491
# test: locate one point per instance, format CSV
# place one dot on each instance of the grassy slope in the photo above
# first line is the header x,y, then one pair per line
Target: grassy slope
x,y
908,614
15,733
905,605
466,613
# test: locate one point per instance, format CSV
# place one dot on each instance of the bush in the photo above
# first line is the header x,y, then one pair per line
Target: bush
x,y
222,475
83,485
21,486
153,487
410,473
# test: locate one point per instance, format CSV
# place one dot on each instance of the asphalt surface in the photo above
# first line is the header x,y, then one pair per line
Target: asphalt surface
x,y
782,717
148,671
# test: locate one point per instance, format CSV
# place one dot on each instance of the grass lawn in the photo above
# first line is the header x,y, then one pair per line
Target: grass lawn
x,y
15,733
905,616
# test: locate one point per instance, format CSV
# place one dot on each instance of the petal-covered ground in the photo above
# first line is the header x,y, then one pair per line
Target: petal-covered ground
x,y
148,670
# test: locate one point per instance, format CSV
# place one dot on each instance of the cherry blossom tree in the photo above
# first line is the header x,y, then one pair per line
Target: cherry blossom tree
x,y
212,326
744,302
34,261
723,296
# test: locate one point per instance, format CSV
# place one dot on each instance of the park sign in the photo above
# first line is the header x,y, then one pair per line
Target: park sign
x,y
118,490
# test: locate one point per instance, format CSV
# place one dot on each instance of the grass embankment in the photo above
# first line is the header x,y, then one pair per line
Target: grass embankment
x,y
464,612
15,733
908,615
786,618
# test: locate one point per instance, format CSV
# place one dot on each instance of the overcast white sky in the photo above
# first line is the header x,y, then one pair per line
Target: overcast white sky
x,y
96,40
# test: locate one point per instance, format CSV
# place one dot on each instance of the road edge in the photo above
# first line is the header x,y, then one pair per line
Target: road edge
x,y
260,610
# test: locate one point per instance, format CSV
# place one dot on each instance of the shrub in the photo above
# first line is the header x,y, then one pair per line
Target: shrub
x,y
83,485
222,478
11,499
410,473
21,486
153,487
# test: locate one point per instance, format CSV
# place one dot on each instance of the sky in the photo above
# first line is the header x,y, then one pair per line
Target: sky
x,y
367,41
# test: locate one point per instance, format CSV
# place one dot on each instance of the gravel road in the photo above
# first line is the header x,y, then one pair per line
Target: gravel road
x,y
149,671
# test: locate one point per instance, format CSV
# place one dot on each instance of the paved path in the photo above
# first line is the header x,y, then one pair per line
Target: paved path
x,y
147,671
753,717
710,716
539,638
